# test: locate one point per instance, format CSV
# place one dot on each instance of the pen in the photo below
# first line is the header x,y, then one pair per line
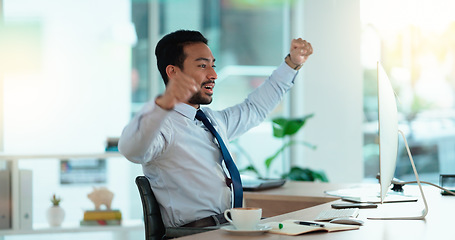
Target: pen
x,y
309,224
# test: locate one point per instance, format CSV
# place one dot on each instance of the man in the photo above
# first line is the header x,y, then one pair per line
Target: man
x,y
179,156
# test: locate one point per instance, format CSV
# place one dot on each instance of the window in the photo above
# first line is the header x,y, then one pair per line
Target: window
x,y
245,53
414,41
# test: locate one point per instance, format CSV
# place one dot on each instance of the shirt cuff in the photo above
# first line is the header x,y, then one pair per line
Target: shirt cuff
x,y
285,74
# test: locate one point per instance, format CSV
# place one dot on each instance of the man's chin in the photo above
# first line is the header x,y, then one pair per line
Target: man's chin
x,y
205,102
200,101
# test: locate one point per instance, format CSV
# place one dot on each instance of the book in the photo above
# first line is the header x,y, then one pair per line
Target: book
x,y
101,222
289,227
5,199
102,215
112,144
26,198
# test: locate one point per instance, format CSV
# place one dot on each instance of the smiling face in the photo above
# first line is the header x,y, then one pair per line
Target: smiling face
x,y
200,65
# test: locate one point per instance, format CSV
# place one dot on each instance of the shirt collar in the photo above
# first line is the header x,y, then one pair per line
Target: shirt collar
x,y
186,110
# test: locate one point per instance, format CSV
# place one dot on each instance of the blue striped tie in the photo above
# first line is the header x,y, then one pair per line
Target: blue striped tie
x,y
230,165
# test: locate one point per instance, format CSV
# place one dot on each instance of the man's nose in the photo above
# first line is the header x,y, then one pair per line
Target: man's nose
x,y
212,74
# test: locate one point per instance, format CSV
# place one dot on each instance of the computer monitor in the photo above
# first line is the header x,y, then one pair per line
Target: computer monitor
x,y
388,142
388,131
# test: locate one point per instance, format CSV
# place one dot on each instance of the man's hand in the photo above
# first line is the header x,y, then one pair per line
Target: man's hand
x,y
300,51
180,88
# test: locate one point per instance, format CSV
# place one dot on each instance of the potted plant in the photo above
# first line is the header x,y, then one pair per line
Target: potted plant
x,y
284,128
55,214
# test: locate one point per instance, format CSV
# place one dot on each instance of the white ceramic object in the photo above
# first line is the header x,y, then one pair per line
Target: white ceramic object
x,y
244,218
55,216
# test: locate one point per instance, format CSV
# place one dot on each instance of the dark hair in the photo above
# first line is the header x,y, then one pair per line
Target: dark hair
x,y
169,50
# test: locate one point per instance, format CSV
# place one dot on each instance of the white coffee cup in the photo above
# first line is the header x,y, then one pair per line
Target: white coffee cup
x,y
244,218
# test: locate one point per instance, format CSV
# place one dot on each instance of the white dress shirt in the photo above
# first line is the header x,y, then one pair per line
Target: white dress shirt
x,y
182,159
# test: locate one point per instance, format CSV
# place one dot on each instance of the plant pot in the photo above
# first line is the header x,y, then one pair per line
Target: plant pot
x,y
55,216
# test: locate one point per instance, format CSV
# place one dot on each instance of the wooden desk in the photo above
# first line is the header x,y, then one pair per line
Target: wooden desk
x,y
291,197
437,224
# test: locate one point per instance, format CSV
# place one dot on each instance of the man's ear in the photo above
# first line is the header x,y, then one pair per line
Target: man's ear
x,y
170,70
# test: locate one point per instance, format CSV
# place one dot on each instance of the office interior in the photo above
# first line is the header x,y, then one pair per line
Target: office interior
x,y
73,73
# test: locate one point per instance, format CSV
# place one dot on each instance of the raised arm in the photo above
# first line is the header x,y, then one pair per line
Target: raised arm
x,y
265,98
141,138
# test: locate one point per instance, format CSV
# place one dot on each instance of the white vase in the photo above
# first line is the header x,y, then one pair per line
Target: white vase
x,y
55,216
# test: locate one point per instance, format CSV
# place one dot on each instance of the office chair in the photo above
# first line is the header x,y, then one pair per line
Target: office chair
x,y
154,227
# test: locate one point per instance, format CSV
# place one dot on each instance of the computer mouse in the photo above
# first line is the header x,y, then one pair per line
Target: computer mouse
x,y
347,220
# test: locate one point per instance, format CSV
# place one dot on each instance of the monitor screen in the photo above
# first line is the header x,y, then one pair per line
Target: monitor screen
x,y
388,131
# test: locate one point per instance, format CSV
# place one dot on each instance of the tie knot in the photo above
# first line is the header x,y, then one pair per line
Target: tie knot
x,y
200,115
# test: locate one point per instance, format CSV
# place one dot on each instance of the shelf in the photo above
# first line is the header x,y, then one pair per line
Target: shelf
x,y
127,225
12,163
8,156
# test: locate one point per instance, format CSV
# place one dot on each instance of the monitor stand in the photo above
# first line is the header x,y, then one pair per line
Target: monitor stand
x,y
425,210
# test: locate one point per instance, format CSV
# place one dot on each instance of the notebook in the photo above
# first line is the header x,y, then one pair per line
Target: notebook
x,y
255,184
288,227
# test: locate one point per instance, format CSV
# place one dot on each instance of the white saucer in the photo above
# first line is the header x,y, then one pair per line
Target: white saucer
x,y
260,229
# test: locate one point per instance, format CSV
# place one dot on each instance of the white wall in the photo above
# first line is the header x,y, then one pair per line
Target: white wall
x,y
1,83
332,89
66,86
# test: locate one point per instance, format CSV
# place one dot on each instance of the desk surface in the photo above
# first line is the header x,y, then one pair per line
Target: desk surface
x,y
291,197
298,191
437,224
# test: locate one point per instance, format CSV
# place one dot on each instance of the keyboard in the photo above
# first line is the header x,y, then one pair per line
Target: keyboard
x,y
329,214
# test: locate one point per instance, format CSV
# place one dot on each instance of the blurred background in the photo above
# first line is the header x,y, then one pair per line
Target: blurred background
x,y
73,73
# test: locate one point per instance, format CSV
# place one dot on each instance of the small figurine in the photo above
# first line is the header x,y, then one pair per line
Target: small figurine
x,y
101,196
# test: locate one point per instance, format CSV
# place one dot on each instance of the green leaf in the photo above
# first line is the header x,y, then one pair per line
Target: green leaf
x,y
270,159
305,174
285,127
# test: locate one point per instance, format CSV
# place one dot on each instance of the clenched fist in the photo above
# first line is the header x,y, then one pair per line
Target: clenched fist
x,y
300,51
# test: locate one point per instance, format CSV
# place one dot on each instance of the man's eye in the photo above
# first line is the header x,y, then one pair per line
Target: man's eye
x,y
203,66
213,66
